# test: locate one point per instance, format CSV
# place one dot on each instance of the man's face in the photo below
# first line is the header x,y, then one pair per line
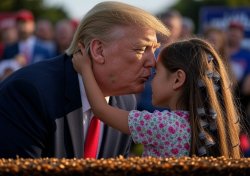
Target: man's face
x,y
129,58
175,25
25,28
235,36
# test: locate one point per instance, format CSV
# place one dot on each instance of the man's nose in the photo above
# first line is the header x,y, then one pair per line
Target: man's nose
x,y
150,60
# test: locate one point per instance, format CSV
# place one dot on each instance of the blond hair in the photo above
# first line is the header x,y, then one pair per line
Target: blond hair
x,y
103,17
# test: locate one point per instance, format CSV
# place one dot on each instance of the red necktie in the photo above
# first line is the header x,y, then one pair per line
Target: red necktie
x,y
91,141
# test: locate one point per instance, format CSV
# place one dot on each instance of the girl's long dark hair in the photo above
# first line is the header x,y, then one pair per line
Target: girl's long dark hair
x,y
201,91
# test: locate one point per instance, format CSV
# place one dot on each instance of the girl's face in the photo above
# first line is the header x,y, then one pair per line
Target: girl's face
x,y
162,86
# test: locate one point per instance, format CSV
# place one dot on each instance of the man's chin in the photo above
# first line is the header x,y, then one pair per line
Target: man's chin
x,y
139,89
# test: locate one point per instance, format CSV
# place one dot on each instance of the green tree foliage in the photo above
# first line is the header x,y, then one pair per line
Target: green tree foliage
x,y
39,9
236,3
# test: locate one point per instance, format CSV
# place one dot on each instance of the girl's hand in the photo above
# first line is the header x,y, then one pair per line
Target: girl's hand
x,y
81,60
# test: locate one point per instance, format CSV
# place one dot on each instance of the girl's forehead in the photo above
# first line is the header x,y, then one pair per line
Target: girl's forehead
x,y
158,63
157,59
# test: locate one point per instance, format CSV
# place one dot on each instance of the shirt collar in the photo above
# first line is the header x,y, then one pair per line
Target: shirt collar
x,y
29,41
84,99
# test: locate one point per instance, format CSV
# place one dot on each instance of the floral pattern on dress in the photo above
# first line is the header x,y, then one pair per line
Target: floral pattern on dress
x,y
163,133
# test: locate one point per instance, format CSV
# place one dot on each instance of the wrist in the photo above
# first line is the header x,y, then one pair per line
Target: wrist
x,y
86,69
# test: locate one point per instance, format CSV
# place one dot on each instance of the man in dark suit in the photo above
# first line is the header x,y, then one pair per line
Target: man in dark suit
x,y
44,111
27,50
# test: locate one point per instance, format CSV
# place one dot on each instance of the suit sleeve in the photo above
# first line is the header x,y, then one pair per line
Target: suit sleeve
x,y
23,126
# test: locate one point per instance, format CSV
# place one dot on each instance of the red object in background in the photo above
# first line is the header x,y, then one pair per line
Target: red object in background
x,y
24,15
6,19
236,25
244,142
1,50
4,15
74,23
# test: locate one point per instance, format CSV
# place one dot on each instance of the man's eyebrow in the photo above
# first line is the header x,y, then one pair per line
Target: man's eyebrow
x,y
153,44
157,45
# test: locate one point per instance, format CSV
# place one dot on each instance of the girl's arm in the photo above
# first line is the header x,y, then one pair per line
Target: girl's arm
x,y
116,118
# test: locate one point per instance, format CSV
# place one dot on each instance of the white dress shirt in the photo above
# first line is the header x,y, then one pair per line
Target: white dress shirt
x,y
87,112
26,47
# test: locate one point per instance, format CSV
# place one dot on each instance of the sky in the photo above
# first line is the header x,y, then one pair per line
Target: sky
x,y
78,8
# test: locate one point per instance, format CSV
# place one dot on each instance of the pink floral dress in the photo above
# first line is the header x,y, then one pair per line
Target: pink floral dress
x,y
163,134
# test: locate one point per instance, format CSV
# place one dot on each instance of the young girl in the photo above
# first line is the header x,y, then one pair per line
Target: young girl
x,y
192,82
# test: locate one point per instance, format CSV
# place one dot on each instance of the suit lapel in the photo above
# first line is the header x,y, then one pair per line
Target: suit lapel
x,y
76,131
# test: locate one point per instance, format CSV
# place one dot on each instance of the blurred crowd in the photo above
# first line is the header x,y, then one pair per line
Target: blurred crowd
x,y
25,40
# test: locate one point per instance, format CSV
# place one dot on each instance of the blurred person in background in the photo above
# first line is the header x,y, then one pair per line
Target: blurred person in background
x,y
74,23
173,20
8,33
45,34
239,57
64,32
240,63
218,39
26,50
187,29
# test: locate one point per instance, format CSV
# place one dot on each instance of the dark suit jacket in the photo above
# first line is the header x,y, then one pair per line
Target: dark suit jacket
x,y
41,114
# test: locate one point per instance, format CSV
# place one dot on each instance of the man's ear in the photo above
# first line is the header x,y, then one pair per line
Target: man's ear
x,y
179,79
96,51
